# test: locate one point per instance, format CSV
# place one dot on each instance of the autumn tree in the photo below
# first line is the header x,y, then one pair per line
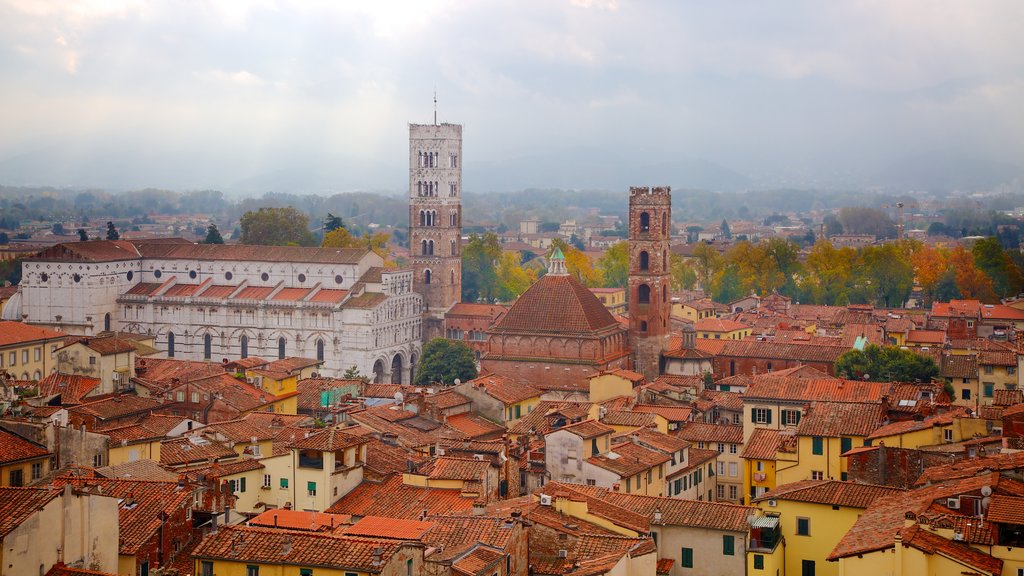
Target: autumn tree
x,y
930,265
972,283
614,265
342,238
682,274
707,263
578,264
992,259
828,274
443,361
513,279
270,226
479,274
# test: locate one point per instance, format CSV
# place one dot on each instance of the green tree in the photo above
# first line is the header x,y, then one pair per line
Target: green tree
x,y
614,265
354,374
213,235
886,364
4,238
513,279
726,285
991,259
332,223
832,225
707,263
57,229
864,220
443,361
726,232
270,226
890,273
82,235
479,274
683,275
112,233
342,238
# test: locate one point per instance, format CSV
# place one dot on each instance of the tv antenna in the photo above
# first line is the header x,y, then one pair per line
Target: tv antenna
x,y
435,106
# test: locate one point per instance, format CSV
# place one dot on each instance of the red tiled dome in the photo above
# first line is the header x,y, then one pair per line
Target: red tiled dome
x,y
557,304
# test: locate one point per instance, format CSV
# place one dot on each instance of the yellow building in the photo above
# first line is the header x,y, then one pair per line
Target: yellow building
x,y
613,384
696,310
614,299
813,515
961,372
22,461
953,426
109,358
996,371
28,352
630,469
719,329
763,451
499,398
826,431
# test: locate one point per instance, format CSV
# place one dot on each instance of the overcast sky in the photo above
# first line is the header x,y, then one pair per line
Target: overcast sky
x,y
192,94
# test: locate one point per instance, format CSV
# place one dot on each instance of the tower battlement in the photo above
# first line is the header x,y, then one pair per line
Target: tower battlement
x,y
645,191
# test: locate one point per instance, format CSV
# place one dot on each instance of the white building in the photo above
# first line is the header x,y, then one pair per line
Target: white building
x,y
209,302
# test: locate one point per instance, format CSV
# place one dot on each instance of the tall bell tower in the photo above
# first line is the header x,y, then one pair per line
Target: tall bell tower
x,y
650,225
435,219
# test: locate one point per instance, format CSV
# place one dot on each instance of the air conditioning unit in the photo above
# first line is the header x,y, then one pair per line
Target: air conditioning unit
x,y
953,503
545,500
116,376
772,503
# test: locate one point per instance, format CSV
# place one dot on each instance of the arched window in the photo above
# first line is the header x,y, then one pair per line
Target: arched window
x,y
452,242
245,346
453,276
170,344
423,218
320,349
419,188
645,260
643,326
643,294
430,247
281,342
396,370
664,224
645,222
426,276
207,346
106,322
664,293
424,250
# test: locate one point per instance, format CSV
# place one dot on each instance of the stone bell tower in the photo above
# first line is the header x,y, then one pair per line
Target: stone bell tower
x,y
650,225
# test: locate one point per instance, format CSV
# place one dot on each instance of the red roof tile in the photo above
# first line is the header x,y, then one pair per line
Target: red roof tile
x,y
504,389
291,294
181,451
329,295
143,289
586,429
300,520
930,543
764,443
394,499
18,504
670,413
627,459
12,333
704,432
330,440
473,425
832,492
71,387
393,528
253,293
839,419
181,290
557,304
218,291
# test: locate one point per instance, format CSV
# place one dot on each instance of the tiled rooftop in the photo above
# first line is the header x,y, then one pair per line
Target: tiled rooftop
x,y
393,499
832,492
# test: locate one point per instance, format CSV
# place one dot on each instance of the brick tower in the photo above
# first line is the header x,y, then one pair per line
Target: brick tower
x,y
435,219
650,221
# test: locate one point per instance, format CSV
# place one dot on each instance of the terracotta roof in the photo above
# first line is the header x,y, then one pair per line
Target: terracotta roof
x,y
972,467
60,569
91,251
252,253
181,290
299,520
142,469
253,293
14,448
473,425
292,294
446,399
837,419
629,418
627,459
704,432
218,291
330,440
670,413
18,504
711,346
221,469
1007,397
473,309
825,389
782,351
71,387
719,399
12,333
876,528
651,438
454,468
329,295
476,561
180,451
393,499
393,528
719,325
764,443
455,535
930,543
504,389
293,547
385,459
366,300
557,304
674,511
586,429
832,492
934,337
116,406
141,504
997,358
242,431
906,426
664,566
1006,509
959,366
541,418
103,345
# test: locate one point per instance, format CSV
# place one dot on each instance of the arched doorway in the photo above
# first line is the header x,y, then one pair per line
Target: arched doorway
x,y
396,369
378,372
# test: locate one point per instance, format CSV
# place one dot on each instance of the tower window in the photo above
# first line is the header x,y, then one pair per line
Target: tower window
x,y
645,222
645,260
170,344
643,326
320,349
426,276
245,346
281,342
207,346
643,294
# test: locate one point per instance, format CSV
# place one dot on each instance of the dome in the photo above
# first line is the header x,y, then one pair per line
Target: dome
x,y
557,304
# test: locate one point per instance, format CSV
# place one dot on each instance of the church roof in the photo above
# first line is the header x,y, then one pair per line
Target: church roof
x,y
557,304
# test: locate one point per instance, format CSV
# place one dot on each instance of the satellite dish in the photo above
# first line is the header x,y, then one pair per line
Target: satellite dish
x,y
458,381
399,398
986,490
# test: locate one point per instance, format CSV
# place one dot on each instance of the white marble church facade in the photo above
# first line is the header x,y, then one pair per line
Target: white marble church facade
x,y
210,302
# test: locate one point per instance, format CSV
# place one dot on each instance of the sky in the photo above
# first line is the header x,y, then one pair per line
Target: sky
x,y
250,95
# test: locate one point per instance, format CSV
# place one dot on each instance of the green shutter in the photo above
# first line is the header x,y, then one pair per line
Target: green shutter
x,y
758,561
769,417
817,445
687,558
846,444
311,486
284,482
728,545
753,415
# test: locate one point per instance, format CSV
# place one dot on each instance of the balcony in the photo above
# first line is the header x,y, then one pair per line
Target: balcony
x,y
765,534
